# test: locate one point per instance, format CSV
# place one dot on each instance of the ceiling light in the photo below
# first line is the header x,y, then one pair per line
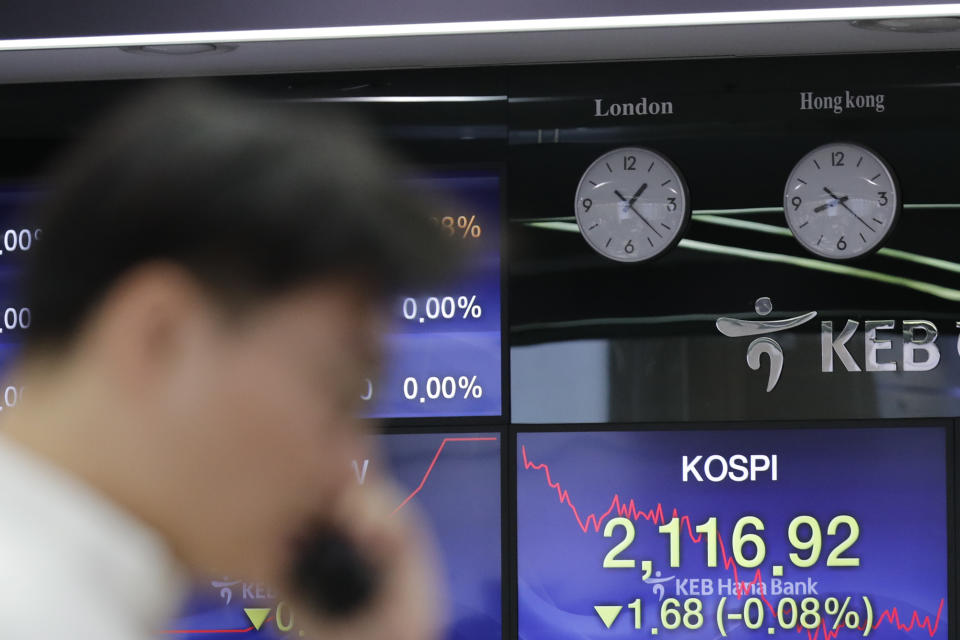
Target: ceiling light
x,y
934,24
155,40
185,49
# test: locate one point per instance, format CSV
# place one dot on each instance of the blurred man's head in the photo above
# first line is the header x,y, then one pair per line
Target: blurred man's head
x,y
206,304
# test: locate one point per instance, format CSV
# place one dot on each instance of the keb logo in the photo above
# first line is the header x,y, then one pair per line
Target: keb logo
x,y
735,328
918,352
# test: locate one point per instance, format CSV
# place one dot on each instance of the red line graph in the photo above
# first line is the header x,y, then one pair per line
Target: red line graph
x,y
186,631
193,631
657,516
429,470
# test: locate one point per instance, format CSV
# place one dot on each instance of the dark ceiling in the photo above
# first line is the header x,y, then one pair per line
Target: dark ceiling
x,y
61,18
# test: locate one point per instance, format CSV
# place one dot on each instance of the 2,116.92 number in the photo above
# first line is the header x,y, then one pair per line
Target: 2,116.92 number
x,y
804,534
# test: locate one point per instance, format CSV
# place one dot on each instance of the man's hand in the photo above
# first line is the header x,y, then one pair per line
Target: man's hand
x,y
406,604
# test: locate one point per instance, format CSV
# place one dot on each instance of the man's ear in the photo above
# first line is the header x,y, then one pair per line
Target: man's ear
x,y
148,322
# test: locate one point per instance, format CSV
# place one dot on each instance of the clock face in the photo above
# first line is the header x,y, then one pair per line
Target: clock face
x,y
632,204
841,201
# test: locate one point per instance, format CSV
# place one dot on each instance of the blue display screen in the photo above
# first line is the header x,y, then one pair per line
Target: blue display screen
x,y
16,241
709,534
444,353
450,480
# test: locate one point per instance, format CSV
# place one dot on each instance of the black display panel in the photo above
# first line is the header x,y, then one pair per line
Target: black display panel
x,y
600,341
735,532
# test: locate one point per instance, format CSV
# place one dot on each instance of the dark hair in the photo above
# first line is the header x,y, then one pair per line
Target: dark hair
x,y
247,195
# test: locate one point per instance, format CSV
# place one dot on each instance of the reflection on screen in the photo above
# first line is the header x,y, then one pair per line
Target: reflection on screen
x,y
799,533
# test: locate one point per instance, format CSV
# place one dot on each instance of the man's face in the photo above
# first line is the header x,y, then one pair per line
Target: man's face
x,y
263,425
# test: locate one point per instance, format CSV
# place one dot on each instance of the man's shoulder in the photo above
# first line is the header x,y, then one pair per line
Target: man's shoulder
x,y
44,594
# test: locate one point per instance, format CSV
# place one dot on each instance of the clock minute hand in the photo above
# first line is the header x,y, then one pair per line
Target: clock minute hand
x,y
831,193
844,205
630,204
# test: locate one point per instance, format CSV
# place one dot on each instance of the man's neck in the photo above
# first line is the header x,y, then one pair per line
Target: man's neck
x,y
70,417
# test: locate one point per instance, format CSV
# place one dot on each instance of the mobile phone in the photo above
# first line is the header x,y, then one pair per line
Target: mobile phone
x,y
330,574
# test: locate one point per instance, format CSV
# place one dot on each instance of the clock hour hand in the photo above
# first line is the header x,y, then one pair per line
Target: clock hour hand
x,y
830,204
630,204
844,205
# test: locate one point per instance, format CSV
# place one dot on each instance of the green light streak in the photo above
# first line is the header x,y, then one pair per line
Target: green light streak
x,y
698,213
936,263
556,226
936,290
746,224
896,254
945,293
736,212
693,318
553,219
753,210
614,322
